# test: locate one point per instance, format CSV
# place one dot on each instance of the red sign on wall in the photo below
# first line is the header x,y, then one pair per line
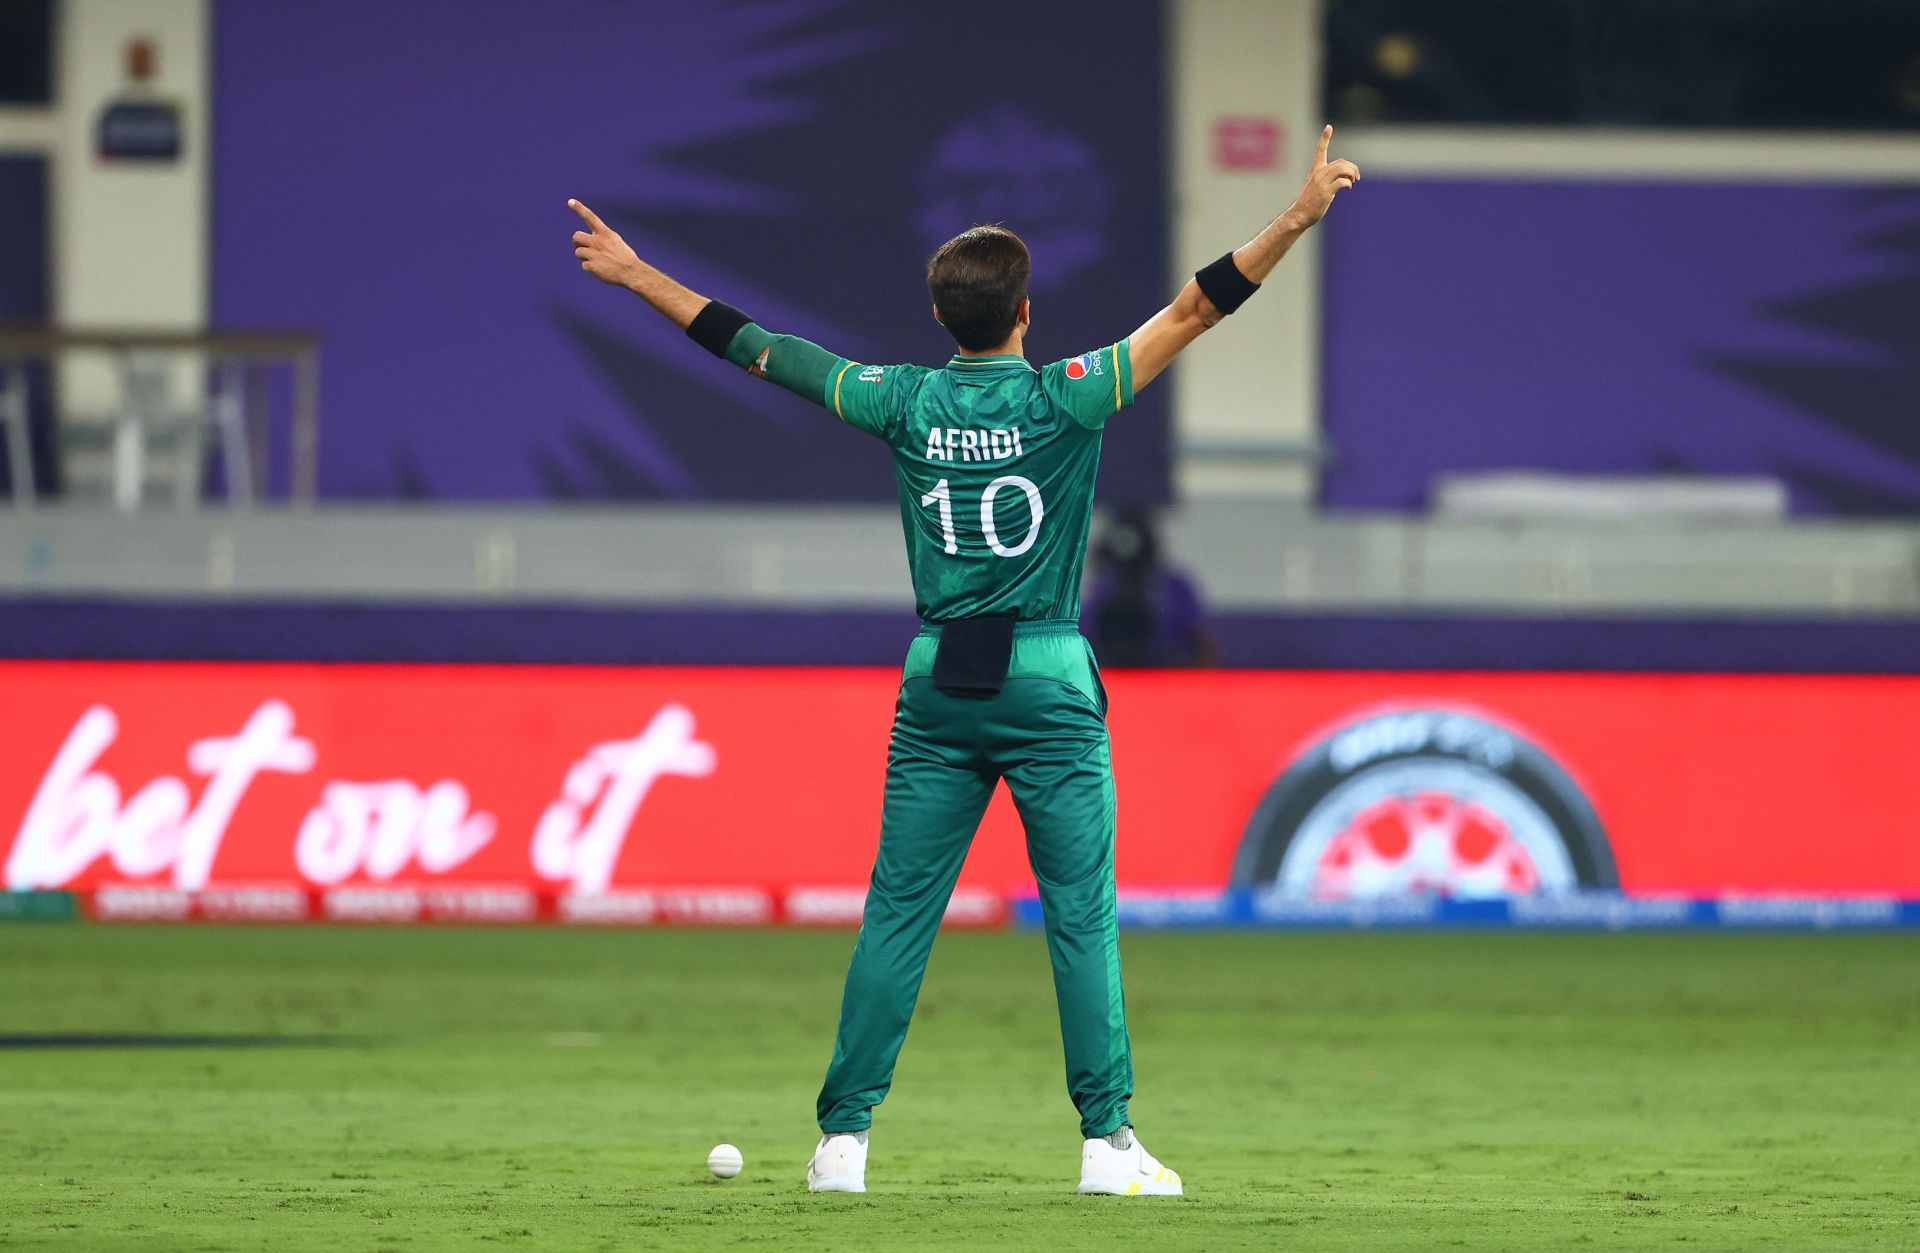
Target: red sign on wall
x,y
737,795
1248,143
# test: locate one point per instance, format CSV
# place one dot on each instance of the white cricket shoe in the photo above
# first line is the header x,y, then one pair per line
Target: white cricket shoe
x,y
839,1164
1132,1171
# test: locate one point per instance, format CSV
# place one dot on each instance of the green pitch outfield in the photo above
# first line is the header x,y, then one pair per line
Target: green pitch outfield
x,y
545,1088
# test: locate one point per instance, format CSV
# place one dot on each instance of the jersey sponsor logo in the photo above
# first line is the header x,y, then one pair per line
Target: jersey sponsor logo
x,y
873,374
1085,364
956,444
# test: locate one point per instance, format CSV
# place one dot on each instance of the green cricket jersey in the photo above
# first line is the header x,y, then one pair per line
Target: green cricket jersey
x,y
995,461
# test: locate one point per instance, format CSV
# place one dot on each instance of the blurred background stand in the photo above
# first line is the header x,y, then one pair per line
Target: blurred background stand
x,y
235,411
1141,609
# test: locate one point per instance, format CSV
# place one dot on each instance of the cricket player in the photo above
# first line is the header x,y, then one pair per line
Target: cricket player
x,y
995,464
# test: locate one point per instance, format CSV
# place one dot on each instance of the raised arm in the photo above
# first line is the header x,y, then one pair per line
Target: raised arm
x,y
802,367
1156,344
612,260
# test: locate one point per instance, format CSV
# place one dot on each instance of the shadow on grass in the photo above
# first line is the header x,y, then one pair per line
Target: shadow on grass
x,y
172,1040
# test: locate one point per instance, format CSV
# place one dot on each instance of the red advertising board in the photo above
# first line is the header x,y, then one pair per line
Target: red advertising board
x,y
746,795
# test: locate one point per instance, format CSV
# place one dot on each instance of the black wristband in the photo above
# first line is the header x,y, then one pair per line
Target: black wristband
x,y
1224,284
714,327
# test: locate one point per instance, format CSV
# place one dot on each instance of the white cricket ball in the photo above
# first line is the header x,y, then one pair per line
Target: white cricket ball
x,y
725,1161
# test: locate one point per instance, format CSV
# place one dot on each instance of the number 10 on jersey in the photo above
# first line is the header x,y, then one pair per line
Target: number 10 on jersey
x,y
942,496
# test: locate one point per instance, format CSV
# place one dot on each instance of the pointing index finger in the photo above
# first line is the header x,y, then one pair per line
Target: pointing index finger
x,y
592,218
1320,153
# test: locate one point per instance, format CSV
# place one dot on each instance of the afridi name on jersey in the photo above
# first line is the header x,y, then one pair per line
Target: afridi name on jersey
x,y
955,443
995,463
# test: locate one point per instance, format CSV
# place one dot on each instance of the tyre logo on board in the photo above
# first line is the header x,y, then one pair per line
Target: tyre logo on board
x,y
1424,800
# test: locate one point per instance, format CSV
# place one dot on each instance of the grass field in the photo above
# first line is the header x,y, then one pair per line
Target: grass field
x,y
561,1088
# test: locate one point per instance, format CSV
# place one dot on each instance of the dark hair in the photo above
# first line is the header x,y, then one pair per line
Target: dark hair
x,y
978,279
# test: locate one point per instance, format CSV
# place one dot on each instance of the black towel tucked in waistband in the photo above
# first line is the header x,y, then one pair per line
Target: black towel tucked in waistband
x,y
974,655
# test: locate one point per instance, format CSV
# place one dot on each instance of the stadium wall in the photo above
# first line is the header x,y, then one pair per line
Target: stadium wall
x,y
1245,100
421,154
130,241
1608,323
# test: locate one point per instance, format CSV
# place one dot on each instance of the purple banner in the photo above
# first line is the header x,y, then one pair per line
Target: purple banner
x,y
1624,328
149,630
395,176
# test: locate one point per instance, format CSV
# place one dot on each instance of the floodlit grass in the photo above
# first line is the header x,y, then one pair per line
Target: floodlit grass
x,y
560,1089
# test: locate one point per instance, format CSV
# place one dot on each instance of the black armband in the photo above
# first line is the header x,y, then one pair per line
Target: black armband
x,y
1224,284
714,327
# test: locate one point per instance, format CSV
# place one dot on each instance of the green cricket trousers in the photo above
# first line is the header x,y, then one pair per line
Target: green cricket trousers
x,y
1046,735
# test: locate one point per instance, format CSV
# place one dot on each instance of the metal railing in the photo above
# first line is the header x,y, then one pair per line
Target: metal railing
x,y
235,404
